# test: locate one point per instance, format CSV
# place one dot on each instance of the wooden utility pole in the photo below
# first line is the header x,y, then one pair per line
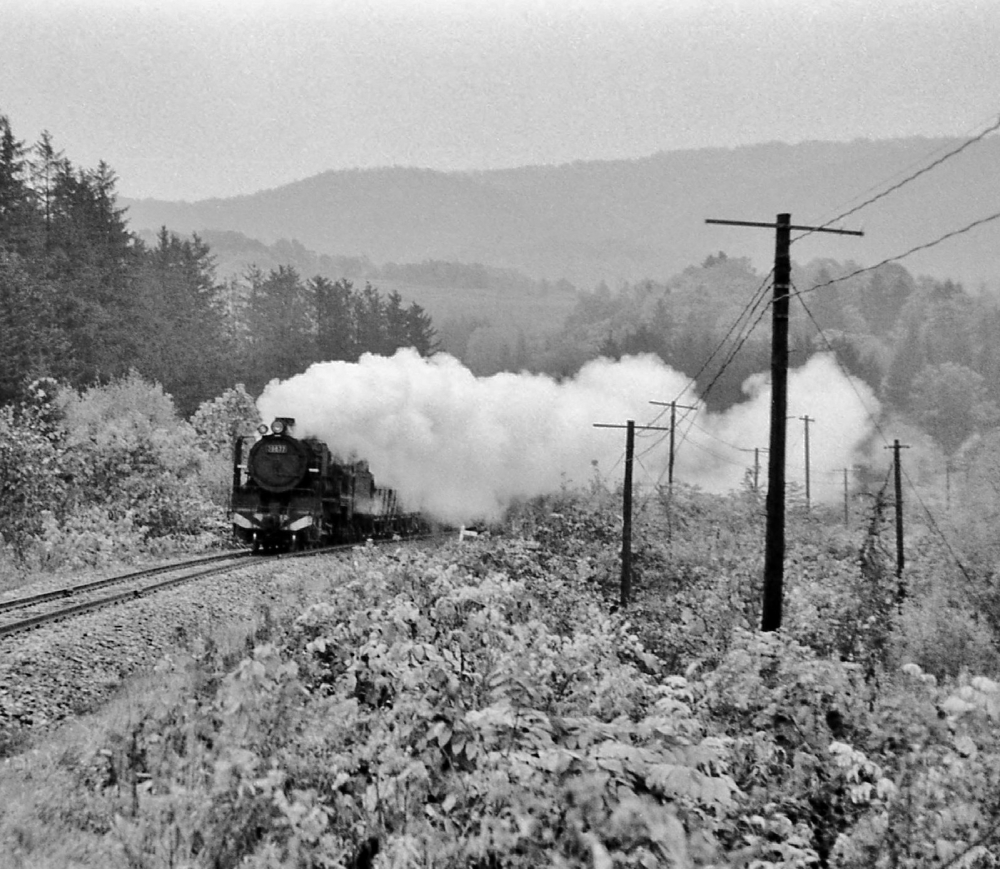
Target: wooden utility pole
x,y
807,419
626,586
774,544
673,405
756,464
847,502
897,476
626,578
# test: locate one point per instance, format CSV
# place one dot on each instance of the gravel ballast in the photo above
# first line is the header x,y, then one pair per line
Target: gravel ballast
x,y
65,669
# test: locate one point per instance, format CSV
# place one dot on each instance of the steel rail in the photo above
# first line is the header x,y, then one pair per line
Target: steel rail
x,y
83,588
26,624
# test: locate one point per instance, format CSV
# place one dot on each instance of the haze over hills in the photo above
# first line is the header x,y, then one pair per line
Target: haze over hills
x,y
628,220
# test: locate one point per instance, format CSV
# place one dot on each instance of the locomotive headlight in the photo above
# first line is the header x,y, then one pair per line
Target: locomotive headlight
x,y
262,429
277,426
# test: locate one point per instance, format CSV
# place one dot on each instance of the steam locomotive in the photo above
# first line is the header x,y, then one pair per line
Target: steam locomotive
x,y
290,493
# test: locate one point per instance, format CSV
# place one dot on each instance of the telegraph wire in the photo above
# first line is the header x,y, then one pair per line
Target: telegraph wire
x,y
936,528
739,345
716,437
738,325
847,375
758,297
912,177
732,354
948,235
912,486
714,454
747,312
660,438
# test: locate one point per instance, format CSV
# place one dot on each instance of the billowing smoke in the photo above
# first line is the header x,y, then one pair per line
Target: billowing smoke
x,y
462,447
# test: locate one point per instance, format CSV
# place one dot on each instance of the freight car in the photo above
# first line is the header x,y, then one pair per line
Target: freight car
x,y
292,493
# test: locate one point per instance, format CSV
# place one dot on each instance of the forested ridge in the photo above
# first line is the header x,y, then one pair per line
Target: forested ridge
x,y
628,220
84,299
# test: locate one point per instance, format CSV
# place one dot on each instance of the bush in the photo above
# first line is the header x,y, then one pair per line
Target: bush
x,y
33,478
134,458
220,421
94,476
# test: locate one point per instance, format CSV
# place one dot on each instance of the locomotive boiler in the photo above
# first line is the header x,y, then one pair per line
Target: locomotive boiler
x,y
290,493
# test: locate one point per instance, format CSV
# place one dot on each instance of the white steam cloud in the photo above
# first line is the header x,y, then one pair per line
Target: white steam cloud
x,y
462,447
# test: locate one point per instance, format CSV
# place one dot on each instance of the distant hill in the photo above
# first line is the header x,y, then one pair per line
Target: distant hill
x,y
627,220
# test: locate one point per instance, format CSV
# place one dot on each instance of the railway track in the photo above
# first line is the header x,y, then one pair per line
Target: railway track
x,y
22,614
25,613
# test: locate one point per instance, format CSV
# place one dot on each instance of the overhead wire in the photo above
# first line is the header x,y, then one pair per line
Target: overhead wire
x,y
748,311
704,430
732,354
932,522
847,375
948,235
755,303
908,179
935,527
738,326
714,454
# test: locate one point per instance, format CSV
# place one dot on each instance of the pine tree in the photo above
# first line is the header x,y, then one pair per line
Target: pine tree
x,y
335,326
94,258
369,315
33,344
183,346
420,330
282,327
397,331
47,164
16,213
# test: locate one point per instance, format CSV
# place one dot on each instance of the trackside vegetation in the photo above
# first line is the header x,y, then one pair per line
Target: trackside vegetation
x,y
483,705
112,473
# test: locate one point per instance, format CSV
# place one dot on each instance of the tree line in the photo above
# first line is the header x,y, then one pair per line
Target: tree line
x,y
84,300
929,349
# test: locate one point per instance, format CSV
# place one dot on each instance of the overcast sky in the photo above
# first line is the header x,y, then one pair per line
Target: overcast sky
x,y
189,99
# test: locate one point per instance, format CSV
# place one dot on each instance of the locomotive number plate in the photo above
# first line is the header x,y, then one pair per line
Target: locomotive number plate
x,y
277,448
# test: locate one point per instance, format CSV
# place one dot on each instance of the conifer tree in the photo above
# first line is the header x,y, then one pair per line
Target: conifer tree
x,y
420,330
335,326
184,346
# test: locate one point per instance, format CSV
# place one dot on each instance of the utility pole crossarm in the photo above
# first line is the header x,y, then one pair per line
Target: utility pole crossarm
x,y
790,226
634,428
673,405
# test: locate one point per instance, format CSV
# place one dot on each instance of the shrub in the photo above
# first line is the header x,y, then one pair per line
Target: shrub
x,y
133,457
32,478
220,421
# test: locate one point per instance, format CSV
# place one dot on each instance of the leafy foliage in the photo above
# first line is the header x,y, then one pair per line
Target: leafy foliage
x,y
103,474
31,478
220,421
478,706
